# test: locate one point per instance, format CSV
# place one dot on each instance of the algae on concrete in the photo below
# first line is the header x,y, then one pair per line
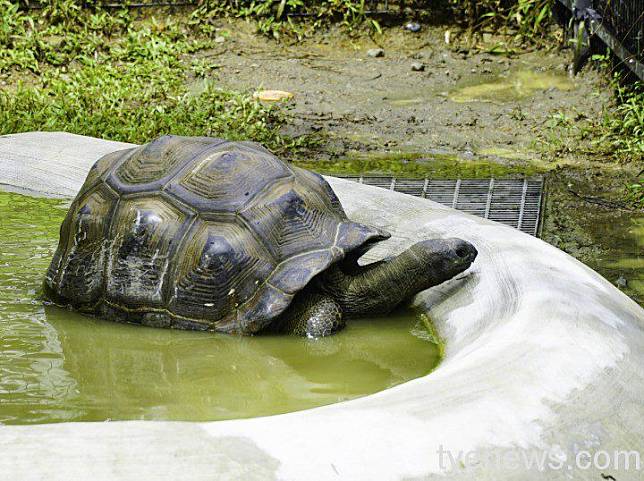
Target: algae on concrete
x,y
422,165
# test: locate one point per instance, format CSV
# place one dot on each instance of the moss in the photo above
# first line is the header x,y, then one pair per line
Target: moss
x,y
432,334
420,165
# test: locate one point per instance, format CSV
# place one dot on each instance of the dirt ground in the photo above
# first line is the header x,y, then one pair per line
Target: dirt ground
x,y
464,100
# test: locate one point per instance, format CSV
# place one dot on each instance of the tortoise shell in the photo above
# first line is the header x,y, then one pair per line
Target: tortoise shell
x,y
198,233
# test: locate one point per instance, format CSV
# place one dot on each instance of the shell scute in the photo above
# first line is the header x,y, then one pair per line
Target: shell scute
x,y
160,158
143,232
289,223
225,180
75,274
219,268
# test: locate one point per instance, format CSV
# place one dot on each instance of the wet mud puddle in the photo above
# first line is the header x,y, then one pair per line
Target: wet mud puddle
x,y
506,87
510,87
59,366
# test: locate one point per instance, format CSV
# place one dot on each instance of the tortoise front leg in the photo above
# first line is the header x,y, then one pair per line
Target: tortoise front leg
x,y
311,315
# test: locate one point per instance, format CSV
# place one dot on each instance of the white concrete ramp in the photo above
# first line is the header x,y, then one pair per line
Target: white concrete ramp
x,y
544,365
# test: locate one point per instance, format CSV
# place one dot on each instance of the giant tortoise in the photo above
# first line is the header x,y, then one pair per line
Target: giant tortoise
x,y
202,233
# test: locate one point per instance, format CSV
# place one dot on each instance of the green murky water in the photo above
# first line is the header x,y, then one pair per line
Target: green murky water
x,y
624,232
59,366
510,87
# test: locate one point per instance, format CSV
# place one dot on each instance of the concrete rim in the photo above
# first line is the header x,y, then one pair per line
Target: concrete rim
x,y
542,354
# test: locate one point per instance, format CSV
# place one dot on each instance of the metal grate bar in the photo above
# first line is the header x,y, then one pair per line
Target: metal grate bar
x,y
456,189
514,202
523,197
488,202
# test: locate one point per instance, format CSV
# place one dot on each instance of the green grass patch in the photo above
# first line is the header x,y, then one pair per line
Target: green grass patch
x,y
623,125
287,18
136,102
527,17
116,76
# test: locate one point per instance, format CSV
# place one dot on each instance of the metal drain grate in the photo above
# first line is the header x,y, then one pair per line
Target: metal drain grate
x,y
514,202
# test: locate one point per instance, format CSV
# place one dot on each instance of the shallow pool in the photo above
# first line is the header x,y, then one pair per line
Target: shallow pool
x,y
56,365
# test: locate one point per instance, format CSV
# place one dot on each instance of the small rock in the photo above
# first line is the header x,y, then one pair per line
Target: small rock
x,y
220,39
412,27
272,95
418,67
487,37
376,52
621,282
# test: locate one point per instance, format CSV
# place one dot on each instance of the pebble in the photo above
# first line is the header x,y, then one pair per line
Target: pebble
x,y
412,27
220,39
376,52
418,67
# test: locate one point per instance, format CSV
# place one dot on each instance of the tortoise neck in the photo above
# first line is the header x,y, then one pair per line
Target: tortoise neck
x,y
379,287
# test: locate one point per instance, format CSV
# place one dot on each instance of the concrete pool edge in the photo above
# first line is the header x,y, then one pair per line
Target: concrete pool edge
x,y
541,354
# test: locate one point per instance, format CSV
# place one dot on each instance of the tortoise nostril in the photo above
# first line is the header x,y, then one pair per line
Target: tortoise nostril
x,y
462,251
465,251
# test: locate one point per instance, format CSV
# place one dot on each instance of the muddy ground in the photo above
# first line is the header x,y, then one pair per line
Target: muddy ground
x,y
470,100
466,100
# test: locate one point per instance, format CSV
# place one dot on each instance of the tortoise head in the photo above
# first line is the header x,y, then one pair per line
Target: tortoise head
x,y
442,259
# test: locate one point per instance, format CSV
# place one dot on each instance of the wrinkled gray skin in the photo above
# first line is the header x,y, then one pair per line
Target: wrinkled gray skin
x,y
348,290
